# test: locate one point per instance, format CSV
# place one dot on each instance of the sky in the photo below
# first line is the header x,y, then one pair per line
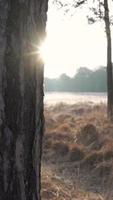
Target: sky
x,y
72,43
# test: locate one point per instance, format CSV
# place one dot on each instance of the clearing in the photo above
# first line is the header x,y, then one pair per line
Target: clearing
x,y
77,153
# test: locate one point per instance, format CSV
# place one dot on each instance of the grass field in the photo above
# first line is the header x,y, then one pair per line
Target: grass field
x,y
77,161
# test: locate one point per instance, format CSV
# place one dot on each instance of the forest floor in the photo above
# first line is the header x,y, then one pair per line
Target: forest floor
x,y
77,162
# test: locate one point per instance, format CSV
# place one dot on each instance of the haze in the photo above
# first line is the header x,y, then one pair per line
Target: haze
x,y
72,43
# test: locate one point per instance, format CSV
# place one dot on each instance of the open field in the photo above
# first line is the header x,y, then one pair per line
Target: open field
x,y
77,153
54,98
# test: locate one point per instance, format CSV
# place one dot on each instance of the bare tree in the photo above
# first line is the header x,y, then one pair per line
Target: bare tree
x,y
22,27
99,12
109,60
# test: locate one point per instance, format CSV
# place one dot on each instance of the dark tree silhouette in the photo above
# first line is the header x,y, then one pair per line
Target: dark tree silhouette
x,y
101,12
22,26
109,60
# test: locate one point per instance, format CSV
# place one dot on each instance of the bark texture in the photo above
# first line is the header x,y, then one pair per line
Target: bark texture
x,y
109,61
22,26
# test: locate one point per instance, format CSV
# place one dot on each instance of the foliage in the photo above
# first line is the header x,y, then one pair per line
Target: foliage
x,y
85,80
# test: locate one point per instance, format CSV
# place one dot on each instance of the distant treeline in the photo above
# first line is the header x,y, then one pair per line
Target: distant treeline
x,y
85,80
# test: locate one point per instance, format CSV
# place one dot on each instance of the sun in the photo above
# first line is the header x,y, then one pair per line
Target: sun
x,y
57,54
49,53
71,43
43,51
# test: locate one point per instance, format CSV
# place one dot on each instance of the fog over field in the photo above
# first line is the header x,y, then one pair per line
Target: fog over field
x,y
72,98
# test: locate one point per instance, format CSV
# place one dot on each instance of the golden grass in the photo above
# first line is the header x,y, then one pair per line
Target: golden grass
x,y
77,153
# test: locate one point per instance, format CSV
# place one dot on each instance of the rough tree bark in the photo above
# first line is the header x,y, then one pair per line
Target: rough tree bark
x,y
22,26
109,61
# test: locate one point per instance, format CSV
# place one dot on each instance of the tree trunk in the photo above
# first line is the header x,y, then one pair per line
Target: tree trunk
x,y
109,61
22,27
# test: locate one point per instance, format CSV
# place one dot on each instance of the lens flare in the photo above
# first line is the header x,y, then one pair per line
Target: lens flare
x,y
43,51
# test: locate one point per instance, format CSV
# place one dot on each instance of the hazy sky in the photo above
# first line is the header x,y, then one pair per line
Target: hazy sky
x,y
72,43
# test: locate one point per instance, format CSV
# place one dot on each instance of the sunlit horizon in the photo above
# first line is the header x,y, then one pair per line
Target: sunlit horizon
x,y
71,44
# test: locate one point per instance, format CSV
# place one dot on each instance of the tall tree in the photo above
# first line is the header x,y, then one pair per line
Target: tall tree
x,y
22,27
109,60
100,10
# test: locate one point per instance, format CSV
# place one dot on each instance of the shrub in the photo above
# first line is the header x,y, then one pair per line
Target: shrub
x,y
76,153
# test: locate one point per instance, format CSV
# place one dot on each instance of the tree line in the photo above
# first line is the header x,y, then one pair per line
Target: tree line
x,y
85,80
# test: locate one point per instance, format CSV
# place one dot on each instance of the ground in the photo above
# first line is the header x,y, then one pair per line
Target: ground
x,y
77,153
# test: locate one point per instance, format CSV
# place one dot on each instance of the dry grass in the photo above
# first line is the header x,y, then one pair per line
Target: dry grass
x,y
77,153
